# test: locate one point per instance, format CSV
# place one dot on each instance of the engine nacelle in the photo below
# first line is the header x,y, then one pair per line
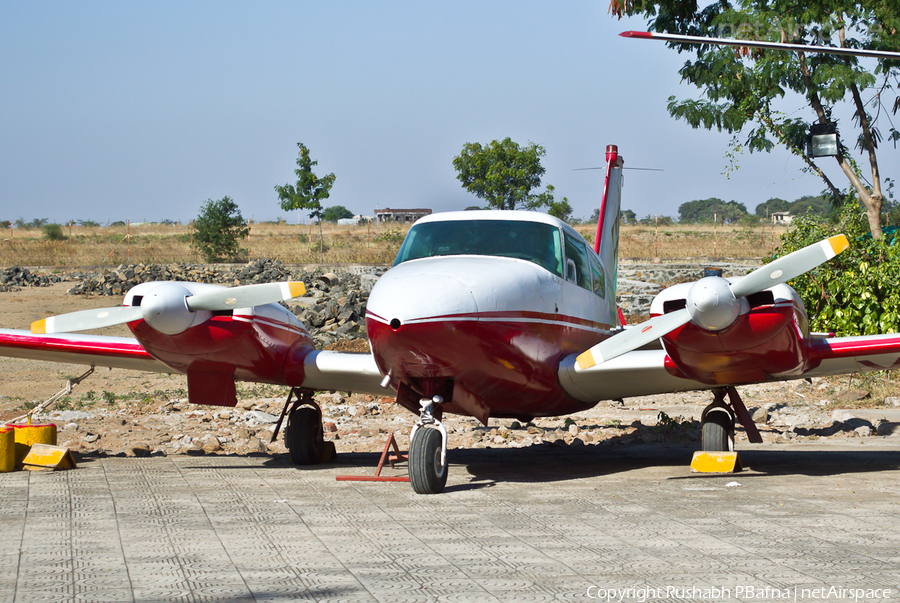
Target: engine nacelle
x,y
768,338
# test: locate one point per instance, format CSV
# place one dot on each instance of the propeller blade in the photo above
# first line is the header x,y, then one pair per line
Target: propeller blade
x,y
777,272
87,319
790,266
245,296
633,338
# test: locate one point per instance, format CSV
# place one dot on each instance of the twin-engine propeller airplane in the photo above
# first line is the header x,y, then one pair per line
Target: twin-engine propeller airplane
x,y
488,314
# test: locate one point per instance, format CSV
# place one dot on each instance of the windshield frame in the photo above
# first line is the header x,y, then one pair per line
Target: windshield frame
x,y
518,239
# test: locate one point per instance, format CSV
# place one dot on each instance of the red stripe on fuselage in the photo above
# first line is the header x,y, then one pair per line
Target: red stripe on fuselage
x,y
508,359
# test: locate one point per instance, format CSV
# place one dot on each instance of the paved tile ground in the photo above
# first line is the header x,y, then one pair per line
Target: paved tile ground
x,y
537,524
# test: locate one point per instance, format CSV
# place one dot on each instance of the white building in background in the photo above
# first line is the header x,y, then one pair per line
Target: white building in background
x,y
355,220
403,216
782,217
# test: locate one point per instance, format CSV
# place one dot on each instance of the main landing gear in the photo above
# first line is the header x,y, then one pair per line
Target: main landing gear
x,y
717,425
428,449
718,422
303,435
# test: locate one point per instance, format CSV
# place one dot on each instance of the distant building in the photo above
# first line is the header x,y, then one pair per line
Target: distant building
x,y
355,220
782,217
400,215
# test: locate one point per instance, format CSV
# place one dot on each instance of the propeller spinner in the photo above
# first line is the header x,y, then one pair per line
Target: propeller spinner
x,y
171,307
713,303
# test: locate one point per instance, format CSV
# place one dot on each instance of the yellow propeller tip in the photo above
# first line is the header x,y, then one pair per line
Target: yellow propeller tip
x,y
39,327
838,243
585,360
296,288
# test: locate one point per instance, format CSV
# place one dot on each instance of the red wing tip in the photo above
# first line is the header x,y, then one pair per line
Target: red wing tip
x,y
636,34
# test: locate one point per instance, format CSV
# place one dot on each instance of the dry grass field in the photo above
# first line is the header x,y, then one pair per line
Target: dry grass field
x,y
370,244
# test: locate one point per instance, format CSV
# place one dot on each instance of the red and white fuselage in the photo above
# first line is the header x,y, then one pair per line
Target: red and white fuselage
x,y
487,332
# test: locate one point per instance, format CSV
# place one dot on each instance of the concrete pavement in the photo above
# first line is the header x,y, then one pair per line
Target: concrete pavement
x,y
813,522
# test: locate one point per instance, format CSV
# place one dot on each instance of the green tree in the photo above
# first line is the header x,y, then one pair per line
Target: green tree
x,y
712,209
310,190
218,230
308,193
558,209
335,213
766,209
742,88
813,205
626,216
503,173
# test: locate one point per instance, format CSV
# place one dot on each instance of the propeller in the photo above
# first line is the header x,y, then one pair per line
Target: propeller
x,y
713,303
171,307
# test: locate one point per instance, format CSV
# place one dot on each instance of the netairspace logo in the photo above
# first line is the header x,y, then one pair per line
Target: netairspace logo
x,y
647,594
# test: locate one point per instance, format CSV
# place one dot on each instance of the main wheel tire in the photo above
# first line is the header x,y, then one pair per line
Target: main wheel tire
x,y
717,432
426,473
303,437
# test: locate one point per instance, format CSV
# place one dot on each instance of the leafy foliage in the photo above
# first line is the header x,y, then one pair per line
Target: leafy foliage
x,y
503,174
53,232
771,206
708,210
741,88
218,230
335,213
310,190
558,209
856,293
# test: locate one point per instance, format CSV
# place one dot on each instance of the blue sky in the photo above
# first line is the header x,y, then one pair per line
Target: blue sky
x,y
142,111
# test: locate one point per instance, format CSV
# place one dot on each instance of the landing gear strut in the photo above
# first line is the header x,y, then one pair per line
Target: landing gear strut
x,y
303,435
717,425
428,450
719,419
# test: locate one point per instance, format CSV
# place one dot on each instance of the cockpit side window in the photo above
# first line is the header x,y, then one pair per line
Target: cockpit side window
x,y
577,253
532,241
599,277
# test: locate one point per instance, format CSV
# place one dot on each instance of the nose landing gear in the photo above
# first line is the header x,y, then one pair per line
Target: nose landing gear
x,y
428,449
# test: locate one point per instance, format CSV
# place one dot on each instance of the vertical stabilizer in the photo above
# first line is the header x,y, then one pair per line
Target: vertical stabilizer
x,y
606,244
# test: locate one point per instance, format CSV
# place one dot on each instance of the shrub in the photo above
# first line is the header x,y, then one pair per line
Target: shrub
x,y
53,232
218,230
856,293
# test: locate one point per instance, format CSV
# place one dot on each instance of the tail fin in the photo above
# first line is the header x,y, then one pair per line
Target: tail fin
x,y
606,244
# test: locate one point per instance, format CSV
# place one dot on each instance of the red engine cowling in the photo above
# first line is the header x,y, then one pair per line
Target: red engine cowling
x,y
768,340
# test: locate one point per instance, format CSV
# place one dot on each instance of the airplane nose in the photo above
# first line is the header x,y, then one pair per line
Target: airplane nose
x,y
399,299
421,325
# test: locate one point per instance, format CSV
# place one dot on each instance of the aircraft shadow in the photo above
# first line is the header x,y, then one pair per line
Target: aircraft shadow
x,y
545,463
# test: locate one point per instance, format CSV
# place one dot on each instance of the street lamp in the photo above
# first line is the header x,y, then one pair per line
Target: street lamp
x,y
822,140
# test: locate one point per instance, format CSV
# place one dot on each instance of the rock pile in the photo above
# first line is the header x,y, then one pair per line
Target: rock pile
x,y
15,277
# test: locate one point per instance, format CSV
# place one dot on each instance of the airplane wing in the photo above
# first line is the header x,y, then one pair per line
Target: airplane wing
x,y
648,372
839,355
344,371
76,348
323,369
637,373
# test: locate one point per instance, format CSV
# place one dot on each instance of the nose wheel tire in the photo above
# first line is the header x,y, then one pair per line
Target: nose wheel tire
x,y
427,474
304,436
717,432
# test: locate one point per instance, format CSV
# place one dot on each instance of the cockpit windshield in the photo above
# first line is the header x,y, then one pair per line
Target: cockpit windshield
x,y
533,241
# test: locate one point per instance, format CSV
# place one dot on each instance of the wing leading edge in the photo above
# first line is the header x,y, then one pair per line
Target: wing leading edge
x,y
93,350
648,372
